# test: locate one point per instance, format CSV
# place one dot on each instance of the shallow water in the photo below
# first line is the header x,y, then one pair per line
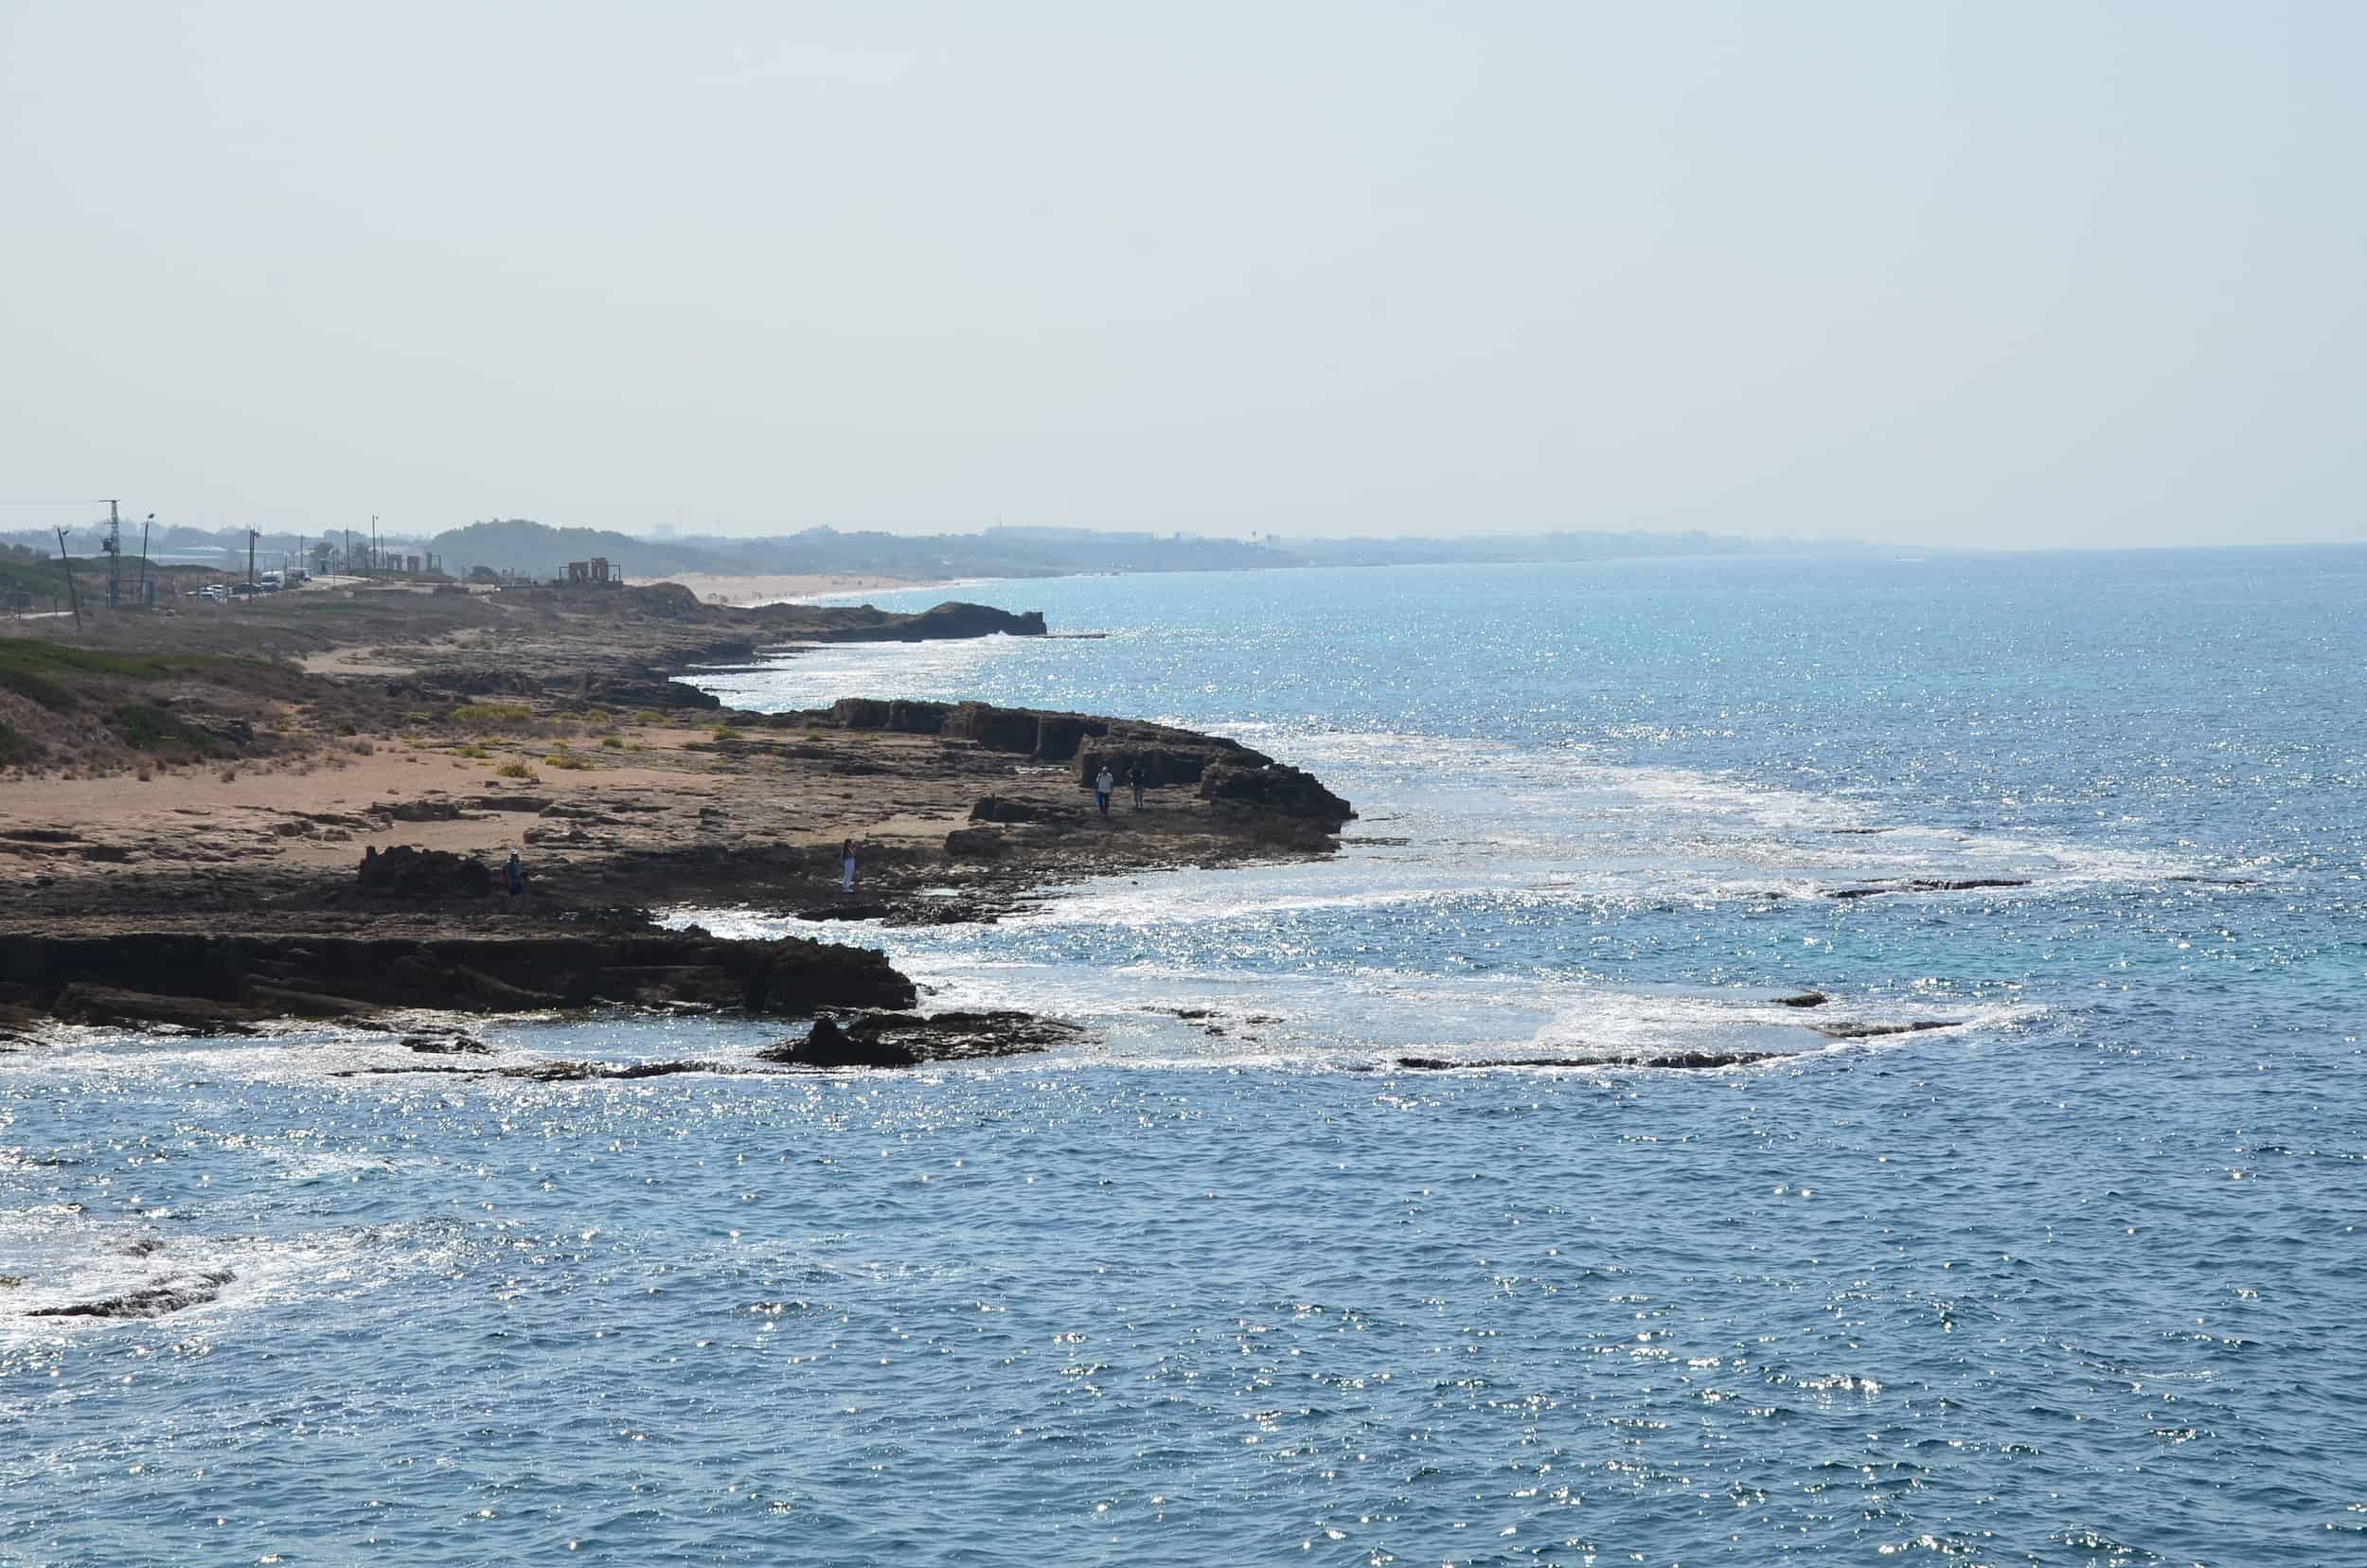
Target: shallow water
x,y
2076,1278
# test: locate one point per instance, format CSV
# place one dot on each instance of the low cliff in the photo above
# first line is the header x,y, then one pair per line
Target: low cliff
x,y
206,982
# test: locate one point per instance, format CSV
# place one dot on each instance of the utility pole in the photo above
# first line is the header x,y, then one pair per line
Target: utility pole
x,y
66,559
374,557
251,537
113,546
144,527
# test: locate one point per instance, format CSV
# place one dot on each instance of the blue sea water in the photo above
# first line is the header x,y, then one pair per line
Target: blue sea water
x,y
2076,1278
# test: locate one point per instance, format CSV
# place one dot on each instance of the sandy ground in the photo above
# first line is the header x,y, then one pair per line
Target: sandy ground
x,y
669,786
384,661
318,816
772,590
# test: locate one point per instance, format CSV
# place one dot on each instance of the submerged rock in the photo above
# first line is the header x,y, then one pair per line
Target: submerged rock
x,y
458,1044
1869,1031
1678,1060
588,1071
1803,999
1928,885
559,1072
154,1299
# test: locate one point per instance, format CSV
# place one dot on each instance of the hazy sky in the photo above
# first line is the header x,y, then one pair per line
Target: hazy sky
x,y
1990,274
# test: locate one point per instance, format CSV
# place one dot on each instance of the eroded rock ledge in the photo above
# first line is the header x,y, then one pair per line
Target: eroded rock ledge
x,y
1229,776
229,983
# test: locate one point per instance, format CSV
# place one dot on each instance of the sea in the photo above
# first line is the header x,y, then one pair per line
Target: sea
x,y
2072,1274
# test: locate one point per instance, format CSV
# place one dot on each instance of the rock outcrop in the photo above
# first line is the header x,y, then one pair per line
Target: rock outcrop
x,y
1167,755
995,809
227,983
910,1040
406,871
1275,787
902,718
952,619
976,844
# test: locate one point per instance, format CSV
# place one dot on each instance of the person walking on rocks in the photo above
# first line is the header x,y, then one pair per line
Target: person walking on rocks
x,y
847,866
1104,782
514,874
1135,777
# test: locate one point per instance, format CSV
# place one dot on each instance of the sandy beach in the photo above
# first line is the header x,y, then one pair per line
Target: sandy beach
x,y
714,588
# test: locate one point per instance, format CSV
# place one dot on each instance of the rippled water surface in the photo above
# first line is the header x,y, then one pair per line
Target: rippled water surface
x,y
2075,1277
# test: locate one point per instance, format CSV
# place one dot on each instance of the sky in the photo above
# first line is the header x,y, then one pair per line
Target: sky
x,y
1997,275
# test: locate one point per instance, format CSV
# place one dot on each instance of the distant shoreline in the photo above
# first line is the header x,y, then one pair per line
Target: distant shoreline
x,y
769,588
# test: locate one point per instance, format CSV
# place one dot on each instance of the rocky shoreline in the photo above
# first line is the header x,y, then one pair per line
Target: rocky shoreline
x,y
229,984
351,910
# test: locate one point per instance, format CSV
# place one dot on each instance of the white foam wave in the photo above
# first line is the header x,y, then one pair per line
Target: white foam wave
x,y
78,1258
815,675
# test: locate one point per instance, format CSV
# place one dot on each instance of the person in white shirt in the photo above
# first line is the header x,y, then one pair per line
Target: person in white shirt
x,y
1103,783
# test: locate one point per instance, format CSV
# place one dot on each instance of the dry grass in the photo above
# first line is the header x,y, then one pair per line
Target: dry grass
x,y
492,715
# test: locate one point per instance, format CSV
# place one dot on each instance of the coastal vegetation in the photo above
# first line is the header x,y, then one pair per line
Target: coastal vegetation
x,y
149,728
490,714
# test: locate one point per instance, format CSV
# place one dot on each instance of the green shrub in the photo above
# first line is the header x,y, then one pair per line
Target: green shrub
x,y
725,732
32,653
37,689
517,769
147,728
649,715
